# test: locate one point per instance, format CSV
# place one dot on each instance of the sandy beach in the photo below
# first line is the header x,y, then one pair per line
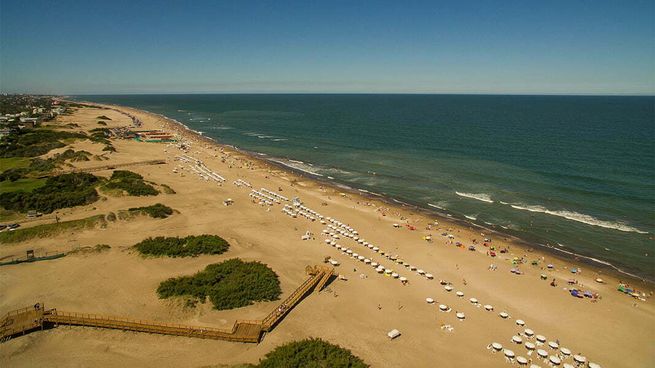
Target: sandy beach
x,y
615,330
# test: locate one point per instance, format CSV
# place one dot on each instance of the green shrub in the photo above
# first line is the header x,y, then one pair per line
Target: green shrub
x,y
155,211
190,246
230,284
130,182
311,353
61,191
35,142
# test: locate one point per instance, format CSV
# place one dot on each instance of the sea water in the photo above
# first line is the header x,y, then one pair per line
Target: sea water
x,y
576,173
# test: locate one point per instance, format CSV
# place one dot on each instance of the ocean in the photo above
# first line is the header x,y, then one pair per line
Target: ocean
x,y
574,173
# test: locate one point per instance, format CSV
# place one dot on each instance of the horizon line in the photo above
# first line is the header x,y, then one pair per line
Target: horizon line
x,y
342,93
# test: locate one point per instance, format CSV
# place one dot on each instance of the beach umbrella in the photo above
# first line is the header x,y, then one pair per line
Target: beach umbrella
x,y
395,275
542,353
567,365
529,345
349,251
520,322
579,358
403,279
517,339
534,366
367,261
429,276
522,360
565,351
375,249
388,271
496,346
488,307
503,314
473,300
555,360
448,288
594,365
413,268
459,294
460,315
541,338
528,332
444,308
380,270
508,353
420,272
361,258
374,264
327,241
429,300
553,345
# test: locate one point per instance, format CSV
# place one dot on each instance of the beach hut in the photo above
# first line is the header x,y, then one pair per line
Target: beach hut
x,y
393,334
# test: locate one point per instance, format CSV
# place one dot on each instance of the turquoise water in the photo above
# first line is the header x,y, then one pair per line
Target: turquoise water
x,y
573,172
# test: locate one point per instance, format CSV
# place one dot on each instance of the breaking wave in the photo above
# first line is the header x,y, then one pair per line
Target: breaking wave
x,y
480,197
580,217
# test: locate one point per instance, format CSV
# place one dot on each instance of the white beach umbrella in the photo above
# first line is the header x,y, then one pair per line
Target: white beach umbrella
x,y
580,359
429,276
473,300
403,279
517,339
503,314
443,307
568,365
488,307
367,261
529,345
509,353
542,353
448,288
420,272
565,351
429,300
460,294
520,322
496,346
521,360
460,315
594,365
555,360
374,264
553,345
395,275
541,338
528,332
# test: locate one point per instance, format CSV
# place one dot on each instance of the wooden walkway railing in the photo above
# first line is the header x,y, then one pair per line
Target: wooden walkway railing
x,y
19,322
111,166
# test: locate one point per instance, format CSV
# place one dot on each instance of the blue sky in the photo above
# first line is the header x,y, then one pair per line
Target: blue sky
x,y
567,47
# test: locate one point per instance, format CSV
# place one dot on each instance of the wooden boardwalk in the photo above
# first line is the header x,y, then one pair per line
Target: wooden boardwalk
x,y
22,321
111,167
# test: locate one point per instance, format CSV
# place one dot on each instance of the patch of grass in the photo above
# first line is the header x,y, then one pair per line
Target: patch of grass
x,y
35,142
155,211
98,248
230,284
190,246
167,189
311,353
25,185
67,190
14,163
48,230
130,182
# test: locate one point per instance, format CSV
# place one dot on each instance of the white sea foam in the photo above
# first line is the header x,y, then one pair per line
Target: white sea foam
x,y
298,165
471,217
580,217
480,197
435,206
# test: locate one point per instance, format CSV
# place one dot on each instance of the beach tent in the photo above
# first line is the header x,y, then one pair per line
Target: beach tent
x,y
393,334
